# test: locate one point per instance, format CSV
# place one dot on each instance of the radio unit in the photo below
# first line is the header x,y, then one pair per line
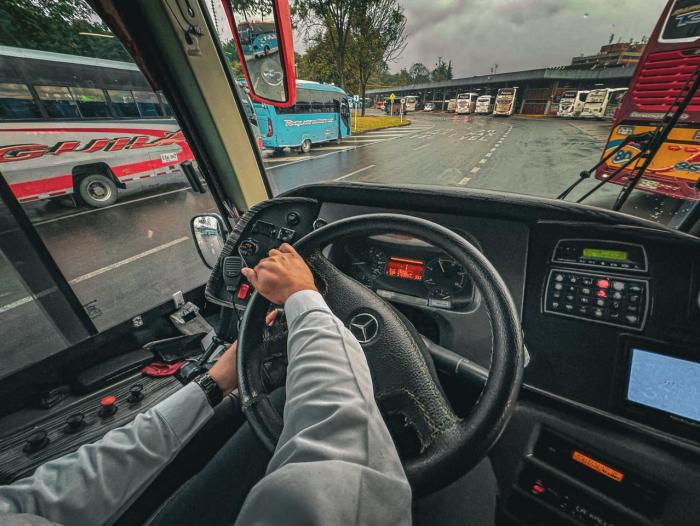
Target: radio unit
x,y
601,254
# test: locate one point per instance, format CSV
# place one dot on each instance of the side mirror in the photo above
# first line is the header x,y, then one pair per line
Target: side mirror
x,y
208,231
262,32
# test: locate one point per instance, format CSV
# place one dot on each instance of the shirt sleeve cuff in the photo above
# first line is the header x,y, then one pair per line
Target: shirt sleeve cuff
x,y
186,411
302,302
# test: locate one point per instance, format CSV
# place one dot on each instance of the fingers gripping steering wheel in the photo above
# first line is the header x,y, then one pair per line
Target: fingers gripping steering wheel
x,y
403,375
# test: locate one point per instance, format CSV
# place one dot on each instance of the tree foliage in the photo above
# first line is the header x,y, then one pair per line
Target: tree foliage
x,y
59,26
442,71
419,73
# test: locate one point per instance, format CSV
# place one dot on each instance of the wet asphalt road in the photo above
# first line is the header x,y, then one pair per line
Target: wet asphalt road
x,y
127,258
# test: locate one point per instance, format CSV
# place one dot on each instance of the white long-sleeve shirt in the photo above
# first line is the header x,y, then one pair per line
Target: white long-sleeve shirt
x,y
335,462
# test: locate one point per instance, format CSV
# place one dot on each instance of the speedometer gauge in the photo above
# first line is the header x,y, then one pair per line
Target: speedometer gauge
x,y
444,277
371,265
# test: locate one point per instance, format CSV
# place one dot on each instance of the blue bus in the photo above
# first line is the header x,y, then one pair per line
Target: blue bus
x,y
321,114
258,38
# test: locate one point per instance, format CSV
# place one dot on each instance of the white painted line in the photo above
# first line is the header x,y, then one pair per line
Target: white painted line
x,y
126,261
421,147
15,304
489,154
375,138
325,148
464,181
364,135
492,150
283,159
483,161
92,210
475,169
94,273
356,172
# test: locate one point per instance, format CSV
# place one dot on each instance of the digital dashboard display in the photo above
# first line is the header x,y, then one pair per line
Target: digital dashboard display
x,y
405,268
665,383
608,255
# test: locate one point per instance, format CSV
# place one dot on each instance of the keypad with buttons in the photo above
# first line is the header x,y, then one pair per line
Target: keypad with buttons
x,y
615,300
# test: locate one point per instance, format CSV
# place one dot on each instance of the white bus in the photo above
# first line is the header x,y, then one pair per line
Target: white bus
x,y
451,105
598,100
466,102
615,99
571,103
411,103
506,102
484,104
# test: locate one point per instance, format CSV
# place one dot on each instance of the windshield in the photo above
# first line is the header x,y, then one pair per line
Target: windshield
x,y
421,124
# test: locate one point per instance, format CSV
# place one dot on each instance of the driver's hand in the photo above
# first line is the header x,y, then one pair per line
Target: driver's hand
x,y
280,275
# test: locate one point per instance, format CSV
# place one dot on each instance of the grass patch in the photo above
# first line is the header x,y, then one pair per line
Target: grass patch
x,y
369,123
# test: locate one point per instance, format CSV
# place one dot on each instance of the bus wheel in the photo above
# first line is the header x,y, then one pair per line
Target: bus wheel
x,y
267,50
97,191
305,146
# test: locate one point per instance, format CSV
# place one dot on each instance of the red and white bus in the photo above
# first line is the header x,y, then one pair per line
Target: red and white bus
x,y
84,126
669,65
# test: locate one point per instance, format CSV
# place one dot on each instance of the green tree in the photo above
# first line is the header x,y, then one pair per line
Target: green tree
x,y
61,26
419,73
327,20
442,71
377,30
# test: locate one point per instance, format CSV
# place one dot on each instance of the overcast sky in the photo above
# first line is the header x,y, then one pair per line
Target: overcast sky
x,y
518,34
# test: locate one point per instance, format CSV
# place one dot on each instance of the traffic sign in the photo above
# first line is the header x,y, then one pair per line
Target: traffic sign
x,y
403,101
392,97
356,98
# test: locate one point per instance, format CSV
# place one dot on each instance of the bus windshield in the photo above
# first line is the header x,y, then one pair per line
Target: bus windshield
x,y
506,115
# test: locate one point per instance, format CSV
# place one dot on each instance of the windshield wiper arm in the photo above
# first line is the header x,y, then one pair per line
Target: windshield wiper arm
x,y
585,174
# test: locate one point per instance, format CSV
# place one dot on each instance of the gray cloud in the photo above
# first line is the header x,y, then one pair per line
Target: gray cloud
x,y
518,34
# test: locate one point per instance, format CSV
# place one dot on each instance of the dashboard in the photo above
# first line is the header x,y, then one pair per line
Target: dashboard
x,y
406,270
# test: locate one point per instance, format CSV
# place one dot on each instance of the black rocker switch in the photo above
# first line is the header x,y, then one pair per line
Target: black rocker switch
x,y
135,394
36,441
75,423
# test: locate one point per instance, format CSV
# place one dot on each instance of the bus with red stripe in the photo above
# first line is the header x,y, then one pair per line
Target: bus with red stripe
x,y
83,126
668,66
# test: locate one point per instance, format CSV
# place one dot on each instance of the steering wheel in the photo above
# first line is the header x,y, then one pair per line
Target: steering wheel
x,y
406,386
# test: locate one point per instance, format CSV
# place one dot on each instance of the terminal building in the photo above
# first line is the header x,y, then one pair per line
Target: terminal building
x,y
541,89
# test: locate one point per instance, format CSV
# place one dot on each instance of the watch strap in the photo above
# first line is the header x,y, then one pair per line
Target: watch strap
x,y
211,389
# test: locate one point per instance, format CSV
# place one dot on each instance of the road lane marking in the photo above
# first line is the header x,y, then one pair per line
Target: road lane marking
x,y
15,304
283,159
325,148
356,172
489,154
475,169
126,261
94,273
53,220
420,147
464,181
375,138
482,161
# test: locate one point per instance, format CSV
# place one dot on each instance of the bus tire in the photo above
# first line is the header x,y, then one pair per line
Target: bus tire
x,y
305,146
97,190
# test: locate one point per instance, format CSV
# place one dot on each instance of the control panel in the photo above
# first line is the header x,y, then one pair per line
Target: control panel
x,y
604,255
50,433
603,298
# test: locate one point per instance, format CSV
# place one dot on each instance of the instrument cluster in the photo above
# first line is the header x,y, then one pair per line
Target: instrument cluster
x,y
403,268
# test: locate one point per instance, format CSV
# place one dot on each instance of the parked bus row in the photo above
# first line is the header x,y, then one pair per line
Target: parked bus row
x,y
594,104
505,103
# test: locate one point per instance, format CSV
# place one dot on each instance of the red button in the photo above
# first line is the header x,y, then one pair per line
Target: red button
x,y
108,401
603,283
537,488
243,291
602,294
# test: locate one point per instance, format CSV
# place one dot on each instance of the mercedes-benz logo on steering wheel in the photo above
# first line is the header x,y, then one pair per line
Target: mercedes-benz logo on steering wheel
x,y
364,327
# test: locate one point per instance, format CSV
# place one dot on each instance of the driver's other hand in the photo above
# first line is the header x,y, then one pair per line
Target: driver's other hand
x,y
280,275
224,372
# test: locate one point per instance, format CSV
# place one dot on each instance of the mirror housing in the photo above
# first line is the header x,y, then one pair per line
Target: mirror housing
x,y
209,234
265,48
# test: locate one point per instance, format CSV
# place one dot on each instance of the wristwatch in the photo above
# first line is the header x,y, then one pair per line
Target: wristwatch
x,y
211,390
